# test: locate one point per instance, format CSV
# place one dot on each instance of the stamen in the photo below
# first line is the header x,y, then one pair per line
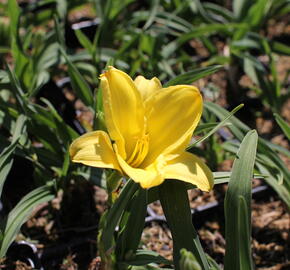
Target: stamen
x,y
140,152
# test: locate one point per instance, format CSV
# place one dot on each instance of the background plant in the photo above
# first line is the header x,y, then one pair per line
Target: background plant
x,y
155,38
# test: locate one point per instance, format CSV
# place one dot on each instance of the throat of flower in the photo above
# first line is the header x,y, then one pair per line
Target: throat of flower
x,y
140,152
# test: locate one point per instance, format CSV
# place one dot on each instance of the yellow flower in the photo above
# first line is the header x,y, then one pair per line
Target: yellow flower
x,y
149,128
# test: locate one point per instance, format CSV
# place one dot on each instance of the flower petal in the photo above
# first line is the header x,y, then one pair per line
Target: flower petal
x,y
147,87
94,149
172,115
191,169
124,111
148,177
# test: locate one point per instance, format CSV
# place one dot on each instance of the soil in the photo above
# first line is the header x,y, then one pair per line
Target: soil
x,y
270,229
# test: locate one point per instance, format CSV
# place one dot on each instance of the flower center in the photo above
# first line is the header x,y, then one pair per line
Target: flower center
x,y
140,152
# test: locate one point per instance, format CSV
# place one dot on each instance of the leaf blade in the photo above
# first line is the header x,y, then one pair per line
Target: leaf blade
x,y
21,212
240,186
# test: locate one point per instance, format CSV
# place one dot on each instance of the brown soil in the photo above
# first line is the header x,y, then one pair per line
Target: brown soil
x,y
270,232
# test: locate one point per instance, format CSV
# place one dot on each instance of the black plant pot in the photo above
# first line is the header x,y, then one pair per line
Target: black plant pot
x,y
88,27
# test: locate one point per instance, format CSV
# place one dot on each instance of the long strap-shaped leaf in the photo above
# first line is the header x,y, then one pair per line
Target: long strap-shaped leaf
x,y
79,84
238,206
114,214
108,223
174,200
283,125
21,212
131,225
266,151
193,75
6,158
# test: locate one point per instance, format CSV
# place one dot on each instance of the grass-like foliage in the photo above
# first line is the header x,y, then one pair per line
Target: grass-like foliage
x,y
52,57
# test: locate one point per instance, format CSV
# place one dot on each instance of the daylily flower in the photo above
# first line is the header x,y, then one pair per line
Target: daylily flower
x,y
149,128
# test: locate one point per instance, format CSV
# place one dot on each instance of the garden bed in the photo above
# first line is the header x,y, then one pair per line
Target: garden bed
x,y
62,233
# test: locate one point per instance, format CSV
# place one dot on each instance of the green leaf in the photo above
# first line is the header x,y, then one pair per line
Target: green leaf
x,y
115,8
80,86
280,48
270,168
178,215
114,213
204,127
131,226
245,44
206,16
149,267
48,56
213,264
6,159
256,71
65,166
202,30
282,190
240,8
237,215
21,212
237,127
266,152
51,130
219,13
85,42
14,15
145,257
17,90
193,75
277,148
283,125
20,128
61,7
152,13
64,131
222,123
258,12
59,30
224,177
188,261
245,234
